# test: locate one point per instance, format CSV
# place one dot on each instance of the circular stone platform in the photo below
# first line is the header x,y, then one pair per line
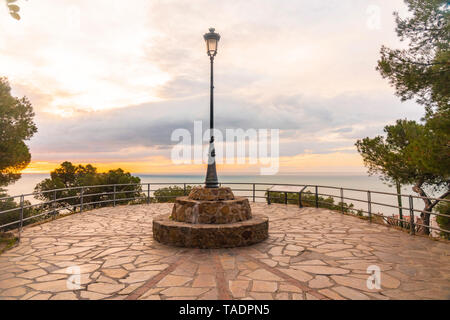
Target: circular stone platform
x,y
211,218
238,234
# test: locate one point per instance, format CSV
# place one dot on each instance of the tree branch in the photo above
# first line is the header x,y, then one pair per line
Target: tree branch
x,y
418,189
440,198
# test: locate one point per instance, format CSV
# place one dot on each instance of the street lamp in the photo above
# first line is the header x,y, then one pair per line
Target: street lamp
x,y
212,39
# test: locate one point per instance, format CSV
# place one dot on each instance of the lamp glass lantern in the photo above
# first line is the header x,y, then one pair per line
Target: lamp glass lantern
x,y
212,40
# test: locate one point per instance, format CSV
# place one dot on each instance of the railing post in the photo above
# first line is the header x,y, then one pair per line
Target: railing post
x,y
300,205
81,199
317,197
285,198
342,200
184,189
21,215
114,196
411,216
148,193
253,192
369,205
268,197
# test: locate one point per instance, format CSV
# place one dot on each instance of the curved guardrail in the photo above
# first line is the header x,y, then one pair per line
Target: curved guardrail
x,y
142,193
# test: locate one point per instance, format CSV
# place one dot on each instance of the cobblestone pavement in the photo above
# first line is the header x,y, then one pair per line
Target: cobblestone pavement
x,y
310,254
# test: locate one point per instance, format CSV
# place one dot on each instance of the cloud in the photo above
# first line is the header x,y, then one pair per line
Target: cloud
x,y
111,80
305,123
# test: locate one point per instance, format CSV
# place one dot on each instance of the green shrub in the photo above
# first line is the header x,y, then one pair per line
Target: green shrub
x,y
15,214
168,194
7,240
444,222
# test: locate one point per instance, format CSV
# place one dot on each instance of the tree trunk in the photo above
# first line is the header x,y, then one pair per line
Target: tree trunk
x,y
425,217
429,205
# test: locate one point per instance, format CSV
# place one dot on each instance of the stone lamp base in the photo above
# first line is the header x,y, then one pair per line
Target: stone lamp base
x,y
211,218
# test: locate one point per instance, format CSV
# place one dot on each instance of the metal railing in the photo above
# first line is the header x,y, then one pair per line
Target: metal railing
x,y
77,199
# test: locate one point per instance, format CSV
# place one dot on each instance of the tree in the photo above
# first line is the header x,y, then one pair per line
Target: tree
x,y
71,176
16,126
384,158
411,153
422,70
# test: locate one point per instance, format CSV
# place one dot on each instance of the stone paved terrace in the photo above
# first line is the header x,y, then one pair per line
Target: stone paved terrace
x,y
310,254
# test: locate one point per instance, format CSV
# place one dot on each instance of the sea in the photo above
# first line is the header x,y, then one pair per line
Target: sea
x,y
26,184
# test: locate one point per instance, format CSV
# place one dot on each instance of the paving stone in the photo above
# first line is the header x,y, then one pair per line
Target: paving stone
x,y
109,252
350,293
311,296
262,274
261,296
115,273
13,282
51,286
118,261
269,262
183,291
131,287
52,277
73,267
335,246
64,296
311,262
33,274
238,288
264,286
282,296
29,295
14,292
331,294
105,288
42,296
339,254
289,288
173,281
92,295
322,270
297,274
73,251
320,282
139,276
297,296
353,282
204,280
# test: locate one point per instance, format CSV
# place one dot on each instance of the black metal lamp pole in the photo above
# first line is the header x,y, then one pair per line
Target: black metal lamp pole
x,y
212,40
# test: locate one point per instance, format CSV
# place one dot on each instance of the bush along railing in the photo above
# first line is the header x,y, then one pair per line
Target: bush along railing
x,y
18,211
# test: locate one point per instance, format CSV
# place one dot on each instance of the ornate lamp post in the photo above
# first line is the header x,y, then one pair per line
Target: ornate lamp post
x,y
212,40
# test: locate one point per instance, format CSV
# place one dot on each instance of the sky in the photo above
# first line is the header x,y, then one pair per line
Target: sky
x,y
110,80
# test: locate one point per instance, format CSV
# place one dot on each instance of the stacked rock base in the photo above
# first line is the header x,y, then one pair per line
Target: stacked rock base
x,y
211,218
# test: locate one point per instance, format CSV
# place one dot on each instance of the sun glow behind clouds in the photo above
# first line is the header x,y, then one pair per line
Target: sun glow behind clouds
x,y
94,60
